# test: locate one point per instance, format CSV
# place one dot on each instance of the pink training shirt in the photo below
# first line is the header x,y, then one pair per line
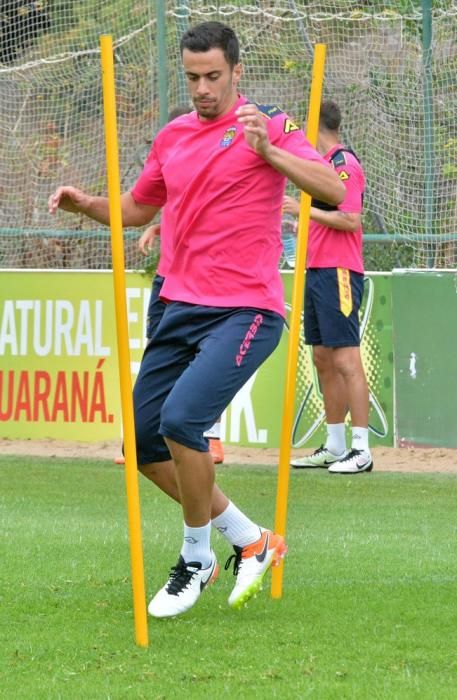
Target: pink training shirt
x,y
329,247
166,244
223,208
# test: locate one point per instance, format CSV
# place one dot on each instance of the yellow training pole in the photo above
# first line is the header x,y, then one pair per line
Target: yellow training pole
x,y
294,329
131,473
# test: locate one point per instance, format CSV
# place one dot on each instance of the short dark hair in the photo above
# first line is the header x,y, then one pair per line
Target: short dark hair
x,y
212,35
330,116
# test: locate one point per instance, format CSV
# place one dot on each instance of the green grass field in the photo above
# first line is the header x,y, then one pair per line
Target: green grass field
x,y
370,590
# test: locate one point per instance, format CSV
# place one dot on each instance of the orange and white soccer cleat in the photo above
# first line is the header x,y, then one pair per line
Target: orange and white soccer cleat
x,y
252,563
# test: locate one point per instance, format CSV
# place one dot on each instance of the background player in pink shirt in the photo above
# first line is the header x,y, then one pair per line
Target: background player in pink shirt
x,y
333,294
221,171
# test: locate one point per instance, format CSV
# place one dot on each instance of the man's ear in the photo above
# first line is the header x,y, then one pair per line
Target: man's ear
x,y
237,73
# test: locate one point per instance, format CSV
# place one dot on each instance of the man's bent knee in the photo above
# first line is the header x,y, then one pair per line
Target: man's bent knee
x,y
176,426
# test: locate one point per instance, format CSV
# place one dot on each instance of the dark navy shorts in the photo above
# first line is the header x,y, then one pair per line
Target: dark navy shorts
x,y
156,307
199,359
332,302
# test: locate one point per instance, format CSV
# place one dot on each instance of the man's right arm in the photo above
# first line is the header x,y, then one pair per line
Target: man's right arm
x,y
76,201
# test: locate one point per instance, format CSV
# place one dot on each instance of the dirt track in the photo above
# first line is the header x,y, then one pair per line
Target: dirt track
x,y
385,458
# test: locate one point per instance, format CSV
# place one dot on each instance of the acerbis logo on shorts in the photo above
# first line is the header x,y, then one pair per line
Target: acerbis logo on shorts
x,y
248,338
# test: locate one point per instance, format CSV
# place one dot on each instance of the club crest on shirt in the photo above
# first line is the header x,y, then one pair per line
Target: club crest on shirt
x,y
228,137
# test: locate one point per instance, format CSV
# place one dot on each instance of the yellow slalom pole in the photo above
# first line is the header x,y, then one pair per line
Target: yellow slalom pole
x,y
294,328
117,245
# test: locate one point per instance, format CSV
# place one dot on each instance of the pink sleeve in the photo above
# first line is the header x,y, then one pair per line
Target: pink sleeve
x,y
352,179
285,134
150,187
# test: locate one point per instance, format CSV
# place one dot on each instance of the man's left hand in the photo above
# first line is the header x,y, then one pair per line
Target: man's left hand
x,y
255,130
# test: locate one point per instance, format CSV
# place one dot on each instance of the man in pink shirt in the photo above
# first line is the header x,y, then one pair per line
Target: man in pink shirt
x,y
333,294
221,171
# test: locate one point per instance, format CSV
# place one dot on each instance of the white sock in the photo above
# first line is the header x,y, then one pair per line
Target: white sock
x,y
360,439
196,544
236,526
336,438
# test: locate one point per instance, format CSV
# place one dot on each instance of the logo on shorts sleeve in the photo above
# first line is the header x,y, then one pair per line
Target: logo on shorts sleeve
x,y
228,137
